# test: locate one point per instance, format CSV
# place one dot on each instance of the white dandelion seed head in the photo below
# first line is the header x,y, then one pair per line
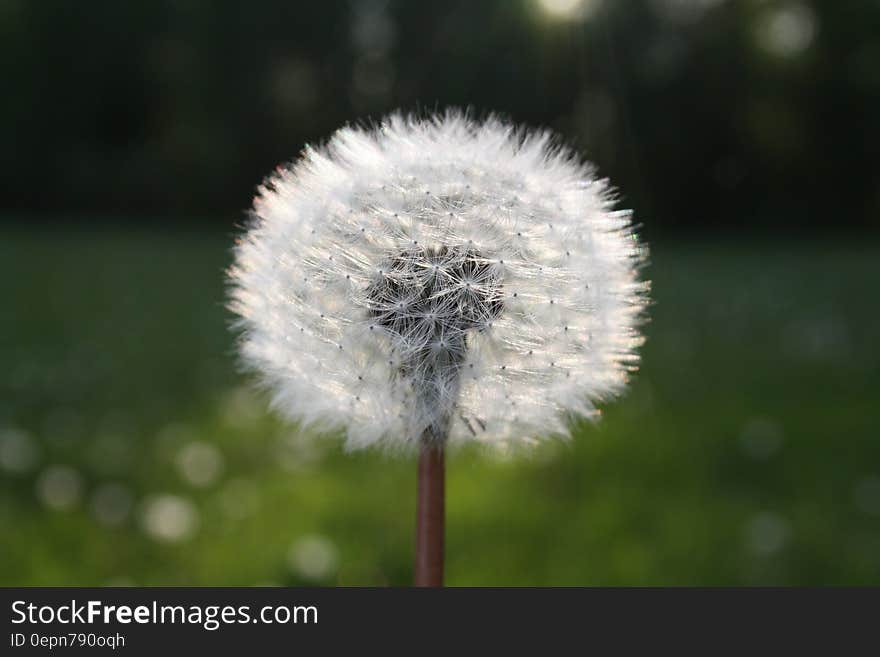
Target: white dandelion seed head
x,y
439,277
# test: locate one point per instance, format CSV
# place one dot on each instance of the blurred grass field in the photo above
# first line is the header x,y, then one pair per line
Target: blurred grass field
x,y
133,452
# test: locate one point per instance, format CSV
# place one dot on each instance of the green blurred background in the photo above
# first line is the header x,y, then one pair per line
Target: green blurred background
x,y
745,134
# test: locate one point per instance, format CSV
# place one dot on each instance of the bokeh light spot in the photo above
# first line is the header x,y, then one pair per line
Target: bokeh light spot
x,y
200,463
761,438
18,451
169,518
787,31
569,10
111,504
313,557
60,487
766,533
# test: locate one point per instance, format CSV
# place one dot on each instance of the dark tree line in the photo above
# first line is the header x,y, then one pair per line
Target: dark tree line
x,y
720,113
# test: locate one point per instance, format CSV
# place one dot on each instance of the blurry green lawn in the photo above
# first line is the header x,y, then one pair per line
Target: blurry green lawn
x,y
133,452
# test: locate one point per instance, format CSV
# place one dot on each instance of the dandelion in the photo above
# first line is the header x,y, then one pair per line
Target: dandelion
x,y
439,280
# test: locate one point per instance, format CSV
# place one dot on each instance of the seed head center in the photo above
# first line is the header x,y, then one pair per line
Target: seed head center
x,y
427,299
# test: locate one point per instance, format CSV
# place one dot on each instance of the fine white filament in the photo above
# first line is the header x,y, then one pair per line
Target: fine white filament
x,y
439,278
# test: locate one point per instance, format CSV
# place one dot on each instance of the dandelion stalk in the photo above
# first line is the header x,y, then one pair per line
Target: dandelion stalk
x,y
430,515
434,281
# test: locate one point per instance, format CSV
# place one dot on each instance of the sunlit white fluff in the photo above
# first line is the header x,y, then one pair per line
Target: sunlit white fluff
x,y
435,276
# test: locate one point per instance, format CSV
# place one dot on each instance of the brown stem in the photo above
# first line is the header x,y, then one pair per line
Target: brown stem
x,y
429,518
